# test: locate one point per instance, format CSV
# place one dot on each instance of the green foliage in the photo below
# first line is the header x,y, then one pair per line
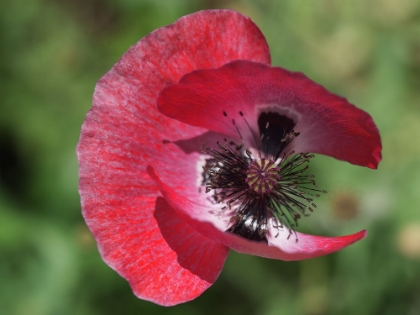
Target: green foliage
x,y
53,52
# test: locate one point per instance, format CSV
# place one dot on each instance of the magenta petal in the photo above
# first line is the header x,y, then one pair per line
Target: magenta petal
x,y
327,123
162,257
142,238
212,224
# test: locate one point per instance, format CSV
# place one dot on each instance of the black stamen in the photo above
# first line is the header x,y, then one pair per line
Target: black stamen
x,y
254,137
273,186
237,129
256,189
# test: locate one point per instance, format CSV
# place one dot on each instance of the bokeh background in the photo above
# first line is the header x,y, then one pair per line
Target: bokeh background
x,y
53,52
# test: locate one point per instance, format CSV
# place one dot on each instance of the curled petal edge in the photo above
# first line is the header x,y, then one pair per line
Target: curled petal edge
x,y
328,124
205,221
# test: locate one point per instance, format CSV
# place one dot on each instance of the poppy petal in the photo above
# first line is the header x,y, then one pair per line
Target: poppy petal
x,y
328,124
159,251
280,245
123,132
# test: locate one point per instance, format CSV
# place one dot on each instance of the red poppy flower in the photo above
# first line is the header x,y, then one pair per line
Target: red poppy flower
x,y
196,145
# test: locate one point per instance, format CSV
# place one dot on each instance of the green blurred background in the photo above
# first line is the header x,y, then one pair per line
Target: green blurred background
x,y
53,52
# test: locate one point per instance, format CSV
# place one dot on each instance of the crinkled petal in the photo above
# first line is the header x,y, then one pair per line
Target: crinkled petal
x,y
123,132
328,124
281,245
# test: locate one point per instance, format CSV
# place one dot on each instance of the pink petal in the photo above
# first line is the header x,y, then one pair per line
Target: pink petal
x,y
212,223
164,259
327,123
124,132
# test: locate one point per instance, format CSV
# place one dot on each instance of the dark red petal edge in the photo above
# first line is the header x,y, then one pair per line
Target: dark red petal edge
x,y
328,124
139,236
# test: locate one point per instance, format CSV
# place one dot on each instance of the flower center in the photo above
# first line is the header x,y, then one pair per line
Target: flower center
x,y
262,176
253,190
